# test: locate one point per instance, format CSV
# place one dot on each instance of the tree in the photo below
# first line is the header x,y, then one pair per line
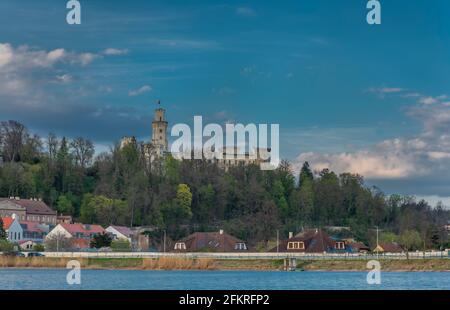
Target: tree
x,y
58,242
83,151
2,230
305,174
64,205
101,241
6,246
411,240
12,138
38,247
183,201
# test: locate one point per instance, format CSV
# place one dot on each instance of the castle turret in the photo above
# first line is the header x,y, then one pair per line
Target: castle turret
x,y
159,132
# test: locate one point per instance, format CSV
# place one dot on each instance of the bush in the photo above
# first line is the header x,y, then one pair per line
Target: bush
x,y
6,246
38,247
120,245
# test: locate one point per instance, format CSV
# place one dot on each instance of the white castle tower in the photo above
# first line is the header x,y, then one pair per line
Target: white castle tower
x,y
159,132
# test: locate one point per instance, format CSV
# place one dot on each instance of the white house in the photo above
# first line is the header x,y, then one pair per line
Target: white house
x,y
14,232
120,232
76,231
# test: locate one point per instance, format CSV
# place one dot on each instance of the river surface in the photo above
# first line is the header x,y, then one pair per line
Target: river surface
x,y
42,279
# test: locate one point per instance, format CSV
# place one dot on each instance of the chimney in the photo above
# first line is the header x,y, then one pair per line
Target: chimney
x,y
291,234
40,199
14,216
221,231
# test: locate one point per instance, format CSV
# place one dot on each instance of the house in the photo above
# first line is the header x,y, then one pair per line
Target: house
x,y
358,247
210,242
77,231
34,231
312,241
27,245
14,232
64,219
120,233
33,210
389,247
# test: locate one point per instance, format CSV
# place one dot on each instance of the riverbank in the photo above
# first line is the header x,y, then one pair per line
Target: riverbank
x,y
170,263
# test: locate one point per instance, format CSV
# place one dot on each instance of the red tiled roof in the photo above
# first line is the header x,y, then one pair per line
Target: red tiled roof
x,y
7,221
84,229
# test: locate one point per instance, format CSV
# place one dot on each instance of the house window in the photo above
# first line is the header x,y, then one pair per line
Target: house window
x,y
340,245
298,245
180,246
240,246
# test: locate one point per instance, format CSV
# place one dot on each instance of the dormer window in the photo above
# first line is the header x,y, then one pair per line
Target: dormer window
x,y
340,245
180,246
240,246
296,245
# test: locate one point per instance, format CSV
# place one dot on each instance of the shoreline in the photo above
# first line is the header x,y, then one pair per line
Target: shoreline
x,y
422,265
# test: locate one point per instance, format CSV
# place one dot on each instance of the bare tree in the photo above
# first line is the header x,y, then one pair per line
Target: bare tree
x,y
83,151
13,137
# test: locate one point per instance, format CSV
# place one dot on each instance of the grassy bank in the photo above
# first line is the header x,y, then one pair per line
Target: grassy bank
x,y
168,263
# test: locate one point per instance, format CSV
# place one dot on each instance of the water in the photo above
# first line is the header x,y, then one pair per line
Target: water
x,y
42,279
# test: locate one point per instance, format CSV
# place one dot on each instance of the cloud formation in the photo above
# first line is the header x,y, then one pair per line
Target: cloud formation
x,y
424,156
141,90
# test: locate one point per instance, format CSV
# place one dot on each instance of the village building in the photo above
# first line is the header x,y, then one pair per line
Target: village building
x,y
27,245
75,231
14,232
34,231
120,233
210,242
388,247
32,209
312,241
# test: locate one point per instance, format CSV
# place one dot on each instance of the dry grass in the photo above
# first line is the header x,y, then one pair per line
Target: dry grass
x,y
172,263
34,262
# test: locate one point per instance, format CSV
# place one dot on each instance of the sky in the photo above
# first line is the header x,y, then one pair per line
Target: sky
x,y
352,97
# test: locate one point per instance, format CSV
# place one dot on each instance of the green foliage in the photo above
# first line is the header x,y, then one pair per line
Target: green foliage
x,y
64,205
38,247
6,246
120,245
2,230
101,241
123,187
411,240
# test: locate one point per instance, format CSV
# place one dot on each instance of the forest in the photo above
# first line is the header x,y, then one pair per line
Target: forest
x,y
121,187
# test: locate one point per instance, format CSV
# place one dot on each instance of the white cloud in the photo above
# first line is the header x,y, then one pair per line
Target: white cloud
x,y
428,100
245,11
140,91
64,79
115,51
427,154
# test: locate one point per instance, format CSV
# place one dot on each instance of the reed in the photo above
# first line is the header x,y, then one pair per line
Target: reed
x,y
172,263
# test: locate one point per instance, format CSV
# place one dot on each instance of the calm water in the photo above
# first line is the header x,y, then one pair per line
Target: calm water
x,y
226,280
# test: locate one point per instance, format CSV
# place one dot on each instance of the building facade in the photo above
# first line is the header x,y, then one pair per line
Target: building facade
x,y
33,210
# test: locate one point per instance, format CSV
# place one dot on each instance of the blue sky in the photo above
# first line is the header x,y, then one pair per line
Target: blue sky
x,y
349,96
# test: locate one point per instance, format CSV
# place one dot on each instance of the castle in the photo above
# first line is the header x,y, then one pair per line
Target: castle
x,y
158,147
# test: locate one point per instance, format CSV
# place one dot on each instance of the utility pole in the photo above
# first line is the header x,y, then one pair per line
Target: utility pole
x,y
278,240
164,243
377,242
